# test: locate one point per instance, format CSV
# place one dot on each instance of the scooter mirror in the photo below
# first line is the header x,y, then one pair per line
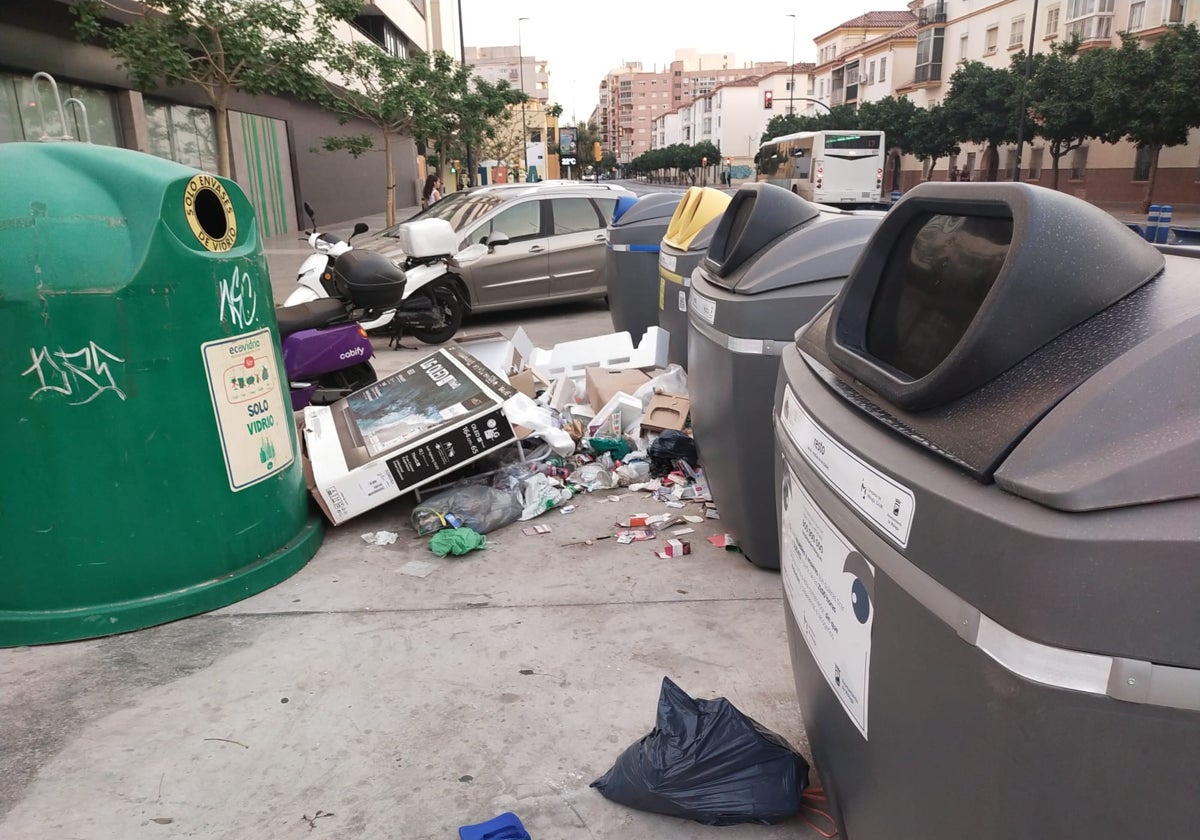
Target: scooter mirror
x,y
360,227
311,215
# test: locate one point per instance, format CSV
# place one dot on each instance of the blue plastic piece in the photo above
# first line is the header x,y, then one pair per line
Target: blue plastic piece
x,y
623,204
507,826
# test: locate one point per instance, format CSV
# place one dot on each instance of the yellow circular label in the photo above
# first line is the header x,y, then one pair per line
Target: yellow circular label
x,y
216,225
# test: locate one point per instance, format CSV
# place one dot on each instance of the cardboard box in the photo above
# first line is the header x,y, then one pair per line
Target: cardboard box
x,y
404,431
666,411
602,384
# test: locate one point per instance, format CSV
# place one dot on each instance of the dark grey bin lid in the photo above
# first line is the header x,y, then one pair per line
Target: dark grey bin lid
x,y
823,248
649,209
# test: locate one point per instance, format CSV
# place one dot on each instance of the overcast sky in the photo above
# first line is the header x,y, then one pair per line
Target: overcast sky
x,y
649,31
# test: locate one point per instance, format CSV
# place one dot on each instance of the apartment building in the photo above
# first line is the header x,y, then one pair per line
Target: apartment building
x,y
858,63
509,64
734,115
273,138
631,97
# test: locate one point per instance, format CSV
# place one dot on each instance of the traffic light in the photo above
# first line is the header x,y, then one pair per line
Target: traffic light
x,y
596,151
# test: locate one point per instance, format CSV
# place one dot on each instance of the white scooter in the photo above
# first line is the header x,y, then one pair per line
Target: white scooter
x,y
435,300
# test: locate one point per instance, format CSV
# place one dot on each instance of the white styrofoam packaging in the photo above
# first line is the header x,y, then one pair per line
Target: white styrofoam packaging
x,y
427,238
404,431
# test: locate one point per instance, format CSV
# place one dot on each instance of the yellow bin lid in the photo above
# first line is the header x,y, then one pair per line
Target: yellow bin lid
x,y
700,206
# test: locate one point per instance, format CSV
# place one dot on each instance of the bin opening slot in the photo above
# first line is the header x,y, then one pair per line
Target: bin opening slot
x,y
938,275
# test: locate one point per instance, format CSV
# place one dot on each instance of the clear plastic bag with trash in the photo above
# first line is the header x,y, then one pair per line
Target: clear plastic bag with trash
x,y
481,508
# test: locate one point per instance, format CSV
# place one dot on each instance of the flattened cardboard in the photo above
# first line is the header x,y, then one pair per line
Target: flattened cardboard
x,y
405,430
602,384
666,411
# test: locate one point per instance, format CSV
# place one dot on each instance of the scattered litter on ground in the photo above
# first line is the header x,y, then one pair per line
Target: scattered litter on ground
x,y
679,532
711,513
674,548
534,530
725,541
482,509
635,535
693,519
312,821
380,537
456,541
567,509
417,568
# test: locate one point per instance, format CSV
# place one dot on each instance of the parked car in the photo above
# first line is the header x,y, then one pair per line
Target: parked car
x,y
555,241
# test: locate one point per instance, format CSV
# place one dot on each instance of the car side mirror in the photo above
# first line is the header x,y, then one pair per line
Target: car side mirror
x,y
494,239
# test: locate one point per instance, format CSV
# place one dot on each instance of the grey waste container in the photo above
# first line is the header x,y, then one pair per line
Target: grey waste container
x,y
632,262
774,261
990,525
682,248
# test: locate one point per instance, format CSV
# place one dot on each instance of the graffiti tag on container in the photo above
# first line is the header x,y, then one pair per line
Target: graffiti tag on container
x,y
238,299
81,376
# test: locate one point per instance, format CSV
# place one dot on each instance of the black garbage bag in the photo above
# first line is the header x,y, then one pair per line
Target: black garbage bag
x,y
706,761
669,447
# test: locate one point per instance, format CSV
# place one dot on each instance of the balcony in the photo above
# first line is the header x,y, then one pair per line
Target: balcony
x,y
931,72
931,14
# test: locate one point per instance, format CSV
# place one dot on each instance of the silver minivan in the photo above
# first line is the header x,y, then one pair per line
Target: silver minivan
x,y
546,241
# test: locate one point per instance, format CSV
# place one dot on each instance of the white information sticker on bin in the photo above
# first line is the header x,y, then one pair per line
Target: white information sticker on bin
x,y
667,261
830,587
253,411
882,500
702,306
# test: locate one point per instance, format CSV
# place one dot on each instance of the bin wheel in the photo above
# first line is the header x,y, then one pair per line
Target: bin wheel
x,y
450,311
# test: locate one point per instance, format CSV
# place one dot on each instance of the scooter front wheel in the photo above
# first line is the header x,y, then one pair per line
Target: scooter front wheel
x,y
448,311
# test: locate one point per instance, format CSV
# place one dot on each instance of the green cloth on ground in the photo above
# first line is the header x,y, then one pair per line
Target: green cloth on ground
x,y
456,541
619,447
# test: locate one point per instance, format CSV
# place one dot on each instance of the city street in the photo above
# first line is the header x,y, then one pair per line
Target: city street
x,y
357,701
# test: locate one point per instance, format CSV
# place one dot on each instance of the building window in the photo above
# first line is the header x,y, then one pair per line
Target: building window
x,y
1035,163
787,85
962,48
1090,20
1010,161
23,109
1137,16
182,134
1141,164
993,36
969,168
1079,164
883,69
1052,22
1016,32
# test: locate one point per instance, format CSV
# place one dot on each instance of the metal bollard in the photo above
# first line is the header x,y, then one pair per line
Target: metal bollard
x,y
1152,223
1164,223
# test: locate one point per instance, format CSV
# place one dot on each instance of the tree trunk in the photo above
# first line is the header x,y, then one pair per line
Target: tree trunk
x,y
932,165
224,168
992,156
1054,176
390,178
1149,199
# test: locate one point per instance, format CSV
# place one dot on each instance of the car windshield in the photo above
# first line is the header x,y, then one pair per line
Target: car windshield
x,y
459,209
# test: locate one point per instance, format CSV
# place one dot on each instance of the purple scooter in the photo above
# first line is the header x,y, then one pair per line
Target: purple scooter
x,y
326,353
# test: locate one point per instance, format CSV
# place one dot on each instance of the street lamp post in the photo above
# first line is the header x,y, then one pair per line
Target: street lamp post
x,y
792,83
1024,93
521,70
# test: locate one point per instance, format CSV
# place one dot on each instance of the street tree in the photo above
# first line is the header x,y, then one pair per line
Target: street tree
x,y
1059,97
218,46
428,97
982,107
1151,94
931,137
896,117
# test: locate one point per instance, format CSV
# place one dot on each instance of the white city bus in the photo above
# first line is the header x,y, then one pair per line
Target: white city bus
x,y
841,168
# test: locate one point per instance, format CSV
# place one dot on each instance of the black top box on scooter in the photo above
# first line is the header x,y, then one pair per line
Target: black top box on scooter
x,y
369,280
